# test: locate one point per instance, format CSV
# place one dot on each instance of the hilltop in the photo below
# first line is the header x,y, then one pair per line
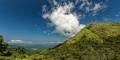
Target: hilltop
x,y
99,41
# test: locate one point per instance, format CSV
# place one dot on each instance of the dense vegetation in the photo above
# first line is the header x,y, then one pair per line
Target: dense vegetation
x,y
99,41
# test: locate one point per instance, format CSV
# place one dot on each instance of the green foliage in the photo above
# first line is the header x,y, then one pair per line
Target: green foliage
x,y
1,39
4,47
95,42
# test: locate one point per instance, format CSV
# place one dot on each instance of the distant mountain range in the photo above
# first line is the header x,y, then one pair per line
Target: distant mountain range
x,y
33,46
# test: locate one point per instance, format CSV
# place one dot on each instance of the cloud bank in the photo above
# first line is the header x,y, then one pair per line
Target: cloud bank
x,y
64,17
16,41
19,42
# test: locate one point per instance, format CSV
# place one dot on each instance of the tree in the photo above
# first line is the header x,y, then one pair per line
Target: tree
x,y
4,47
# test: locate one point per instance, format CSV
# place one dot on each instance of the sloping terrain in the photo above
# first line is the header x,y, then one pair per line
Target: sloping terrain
x,y
100,41
95,42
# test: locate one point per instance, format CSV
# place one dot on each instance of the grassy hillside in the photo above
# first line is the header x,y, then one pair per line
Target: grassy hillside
x,y
99,41
95,42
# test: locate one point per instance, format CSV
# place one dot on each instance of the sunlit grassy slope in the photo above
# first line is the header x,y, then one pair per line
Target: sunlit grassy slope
x,y
95,42
100,41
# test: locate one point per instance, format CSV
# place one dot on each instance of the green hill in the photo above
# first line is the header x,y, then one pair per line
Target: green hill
x,y
100,41
95,42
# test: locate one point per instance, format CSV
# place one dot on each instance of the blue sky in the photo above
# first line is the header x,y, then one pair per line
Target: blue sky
x,y
22,20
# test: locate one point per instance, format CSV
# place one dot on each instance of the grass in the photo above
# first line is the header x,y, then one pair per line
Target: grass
x,y
99,41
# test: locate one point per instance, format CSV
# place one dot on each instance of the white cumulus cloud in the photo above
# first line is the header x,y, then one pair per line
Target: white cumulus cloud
x,y
65,20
